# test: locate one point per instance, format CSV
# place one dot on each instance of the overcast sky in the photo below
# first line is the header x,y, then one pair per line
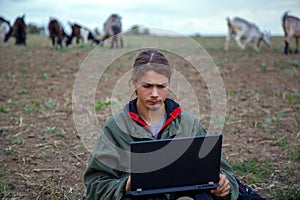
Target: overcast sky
x,y
206,17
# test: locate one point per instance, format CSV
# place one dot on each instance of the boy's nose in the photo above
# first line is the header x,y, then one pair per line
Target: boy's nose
x,y
154,92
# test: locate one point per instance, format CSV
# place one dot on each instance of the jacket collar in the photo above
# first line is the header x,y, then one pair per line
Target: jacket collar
x,y
173,110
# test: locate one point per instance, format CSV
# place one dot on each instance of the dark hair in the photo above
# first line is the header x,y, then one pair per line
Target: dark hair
x,y
150,60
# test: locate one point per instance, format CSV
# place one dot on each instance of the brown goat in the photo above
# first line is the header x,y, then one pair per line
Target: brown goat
x,y
56,33
291,27
19,31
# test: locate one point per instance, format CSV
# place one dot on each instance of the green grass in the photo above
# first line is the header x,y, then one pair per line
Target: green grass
x,y
255,172
23,91
55,131
290,193
107,102
295,63
3,188
295,154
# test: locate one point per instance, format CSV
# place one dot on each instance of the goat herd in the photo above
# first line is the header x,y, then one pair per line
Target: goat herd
x,y
112,27
239,29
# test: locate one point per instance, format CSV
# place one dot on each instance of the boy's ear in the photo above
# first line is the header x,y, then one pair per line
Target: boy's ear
x,y
133,85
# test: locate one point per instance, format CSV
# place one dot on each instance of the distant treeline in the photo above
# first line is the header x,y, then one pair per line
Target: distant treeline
x,y
35,29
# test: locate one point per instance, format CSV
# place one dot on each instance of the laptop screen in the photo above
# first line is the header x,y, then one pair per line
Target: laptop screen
x,y
180,164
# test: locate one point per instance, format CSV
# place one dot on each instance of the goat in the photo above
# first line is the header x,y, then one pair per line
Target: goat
x,y
5,30
241,29
291,27
113,28
19,31
56,33
81,32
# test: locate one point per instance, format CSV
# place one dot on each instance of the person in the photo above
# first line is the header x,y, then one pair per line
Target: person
x,y
149,116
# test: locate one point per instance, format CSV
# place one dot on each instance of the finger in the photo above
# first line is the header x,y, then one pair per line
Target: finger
x,y
223,191
222,182
128,183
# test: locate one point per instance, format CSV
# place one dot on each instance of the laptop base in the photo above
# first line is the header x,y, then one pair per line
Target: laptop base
x,y
140,192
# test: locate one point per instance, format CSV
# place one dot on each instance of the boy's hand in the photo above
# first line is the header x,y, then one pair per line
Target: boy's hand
x,y
223,189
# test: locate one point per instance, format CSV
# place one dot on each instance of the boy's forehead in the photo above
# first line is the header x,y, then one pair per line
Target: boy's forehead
x,y
153,78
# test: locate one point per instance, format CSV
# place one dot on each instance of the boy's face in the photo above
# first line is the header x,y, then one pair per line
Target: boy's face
x,y
152,90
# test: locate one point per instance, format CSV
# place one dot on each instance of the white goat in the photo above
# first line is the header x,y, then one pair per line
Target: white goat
x,y
241,29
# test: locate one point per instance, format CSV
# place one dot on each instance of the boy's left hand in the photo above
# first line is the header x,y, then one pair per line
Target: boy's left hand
x,y
223,189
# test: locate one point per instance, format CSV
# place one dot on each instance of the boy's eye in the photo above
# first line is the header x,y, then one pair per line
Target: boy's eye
x,y
147,86
161,86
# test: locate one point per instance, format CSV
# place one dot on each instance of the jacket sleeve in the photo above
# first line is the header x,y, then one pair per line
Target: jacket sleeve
x,y
102,177
103,182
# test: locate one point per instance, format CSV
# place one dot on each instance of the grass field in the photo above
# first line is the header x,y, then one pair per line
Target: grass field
x,y
43,156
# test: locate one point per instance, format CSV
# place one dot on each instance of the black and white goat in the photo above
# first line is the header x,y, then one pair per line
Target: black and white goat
x,y
83,33
5,30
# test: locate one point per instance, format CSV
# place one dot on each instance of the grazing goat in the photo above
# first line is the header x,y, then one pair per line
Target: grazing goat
x,y
241,29
113,28
56,33
81,33
5,30
19,31
291,27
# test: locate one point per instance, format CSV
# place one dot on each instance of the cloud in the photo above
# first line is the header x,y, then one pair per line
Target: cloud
x,y
186,17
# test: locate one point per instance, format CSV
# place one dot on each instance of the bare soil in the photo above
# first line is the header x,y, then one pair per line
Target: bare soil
x,y
42,156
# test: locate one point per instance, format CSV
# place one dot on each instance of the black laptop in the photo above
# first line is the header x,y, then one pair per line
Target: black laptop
x,y
175,165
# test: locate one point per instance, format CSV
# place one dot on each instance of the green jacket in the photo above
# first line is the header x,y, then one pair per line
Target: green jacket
x,y
109,166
